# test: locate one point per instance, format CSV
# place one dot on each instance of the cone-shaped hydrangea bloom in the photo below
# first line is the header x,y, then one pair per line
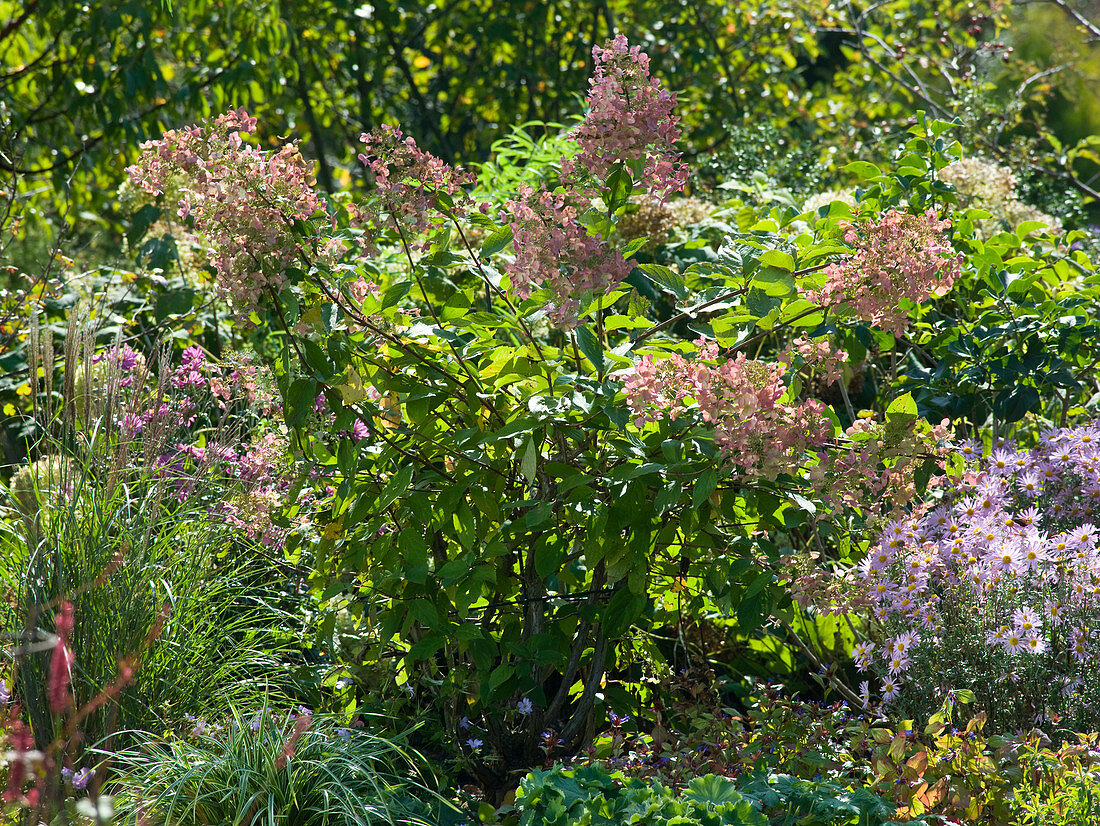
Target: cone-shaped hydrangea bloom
x,y
413,184
899,256
629,119
243,201
553,250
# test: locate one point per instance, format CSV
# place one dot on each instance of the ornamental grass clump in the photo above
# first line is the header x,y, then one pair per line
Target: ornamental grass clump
x,y
269,768
995,592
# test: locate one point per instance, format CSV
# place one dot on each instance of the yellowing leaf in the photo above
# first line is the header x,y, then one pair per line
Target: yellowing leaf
x,y
333,530
422,61
353,391
9,409
23,390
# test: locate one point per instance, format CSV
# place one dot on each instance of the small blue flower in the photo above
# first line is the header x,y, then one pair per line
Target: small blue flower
x,y
463,722
525,706
343,733
474,743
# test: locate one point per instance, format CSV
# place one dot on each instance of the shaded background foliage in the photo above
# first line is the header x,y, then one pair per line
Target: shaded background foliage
x,y
82,85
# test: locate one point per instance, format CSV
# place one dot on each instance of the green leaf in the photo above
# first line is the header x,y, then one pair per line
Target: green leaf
x,y
590,346
760,303
395,293
705,485
396,486
1013,404
774,281
501,674
666,278
140,223
498,239
528,463
903,405
862,169
619,187
633,246
778,259
299,401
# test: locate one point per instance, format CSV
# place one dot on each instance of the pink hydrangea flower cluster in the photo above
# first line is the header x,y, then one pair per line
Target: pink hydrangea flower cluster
x,y
899,256
819,356
742,398
872,466
999,584
410,182
243,201
555,251
629,119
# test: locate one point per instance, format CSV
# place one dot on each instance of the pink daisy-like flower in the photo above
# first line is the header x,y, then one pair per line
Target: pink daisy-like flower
x,y
1034,644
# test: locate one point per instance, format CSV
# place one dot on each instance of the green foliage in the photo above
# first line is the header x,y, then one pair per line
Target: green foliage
x,y
1057,786
149,593
272,769
592,795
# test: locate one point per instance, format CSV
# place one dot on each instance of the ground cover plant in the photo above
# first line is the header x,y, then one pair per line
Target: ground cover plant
x,y
545,466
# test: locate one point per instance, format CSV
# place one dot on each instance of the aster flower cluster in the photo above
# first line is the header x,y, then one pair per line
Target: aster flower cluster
x,y
997,588
629,119
899,256
742,398
242,201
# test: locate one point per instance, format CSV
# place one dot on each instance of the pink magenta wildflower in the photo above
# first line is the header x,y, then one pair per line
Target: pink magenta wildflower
x,y
899,256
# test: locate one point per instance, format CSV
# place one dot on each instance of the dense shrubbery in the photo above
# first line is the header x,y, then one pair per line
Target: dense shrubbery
x,y
523,447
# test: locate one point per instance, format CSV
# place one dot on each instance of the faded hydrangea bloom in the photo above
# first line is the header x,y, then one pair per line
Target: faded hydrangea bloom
x,y
991,186
660,221
413,184
243,201
898,256
740,397
554,250
629,119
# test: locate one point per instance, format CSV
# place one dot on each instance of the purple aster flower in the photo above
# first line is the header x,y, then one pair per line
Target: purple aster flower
x,y
80,779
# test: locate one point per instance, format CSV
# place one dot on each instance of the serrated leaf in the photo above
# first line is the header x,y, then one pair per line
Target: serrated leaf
x,y
498,239
666,278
